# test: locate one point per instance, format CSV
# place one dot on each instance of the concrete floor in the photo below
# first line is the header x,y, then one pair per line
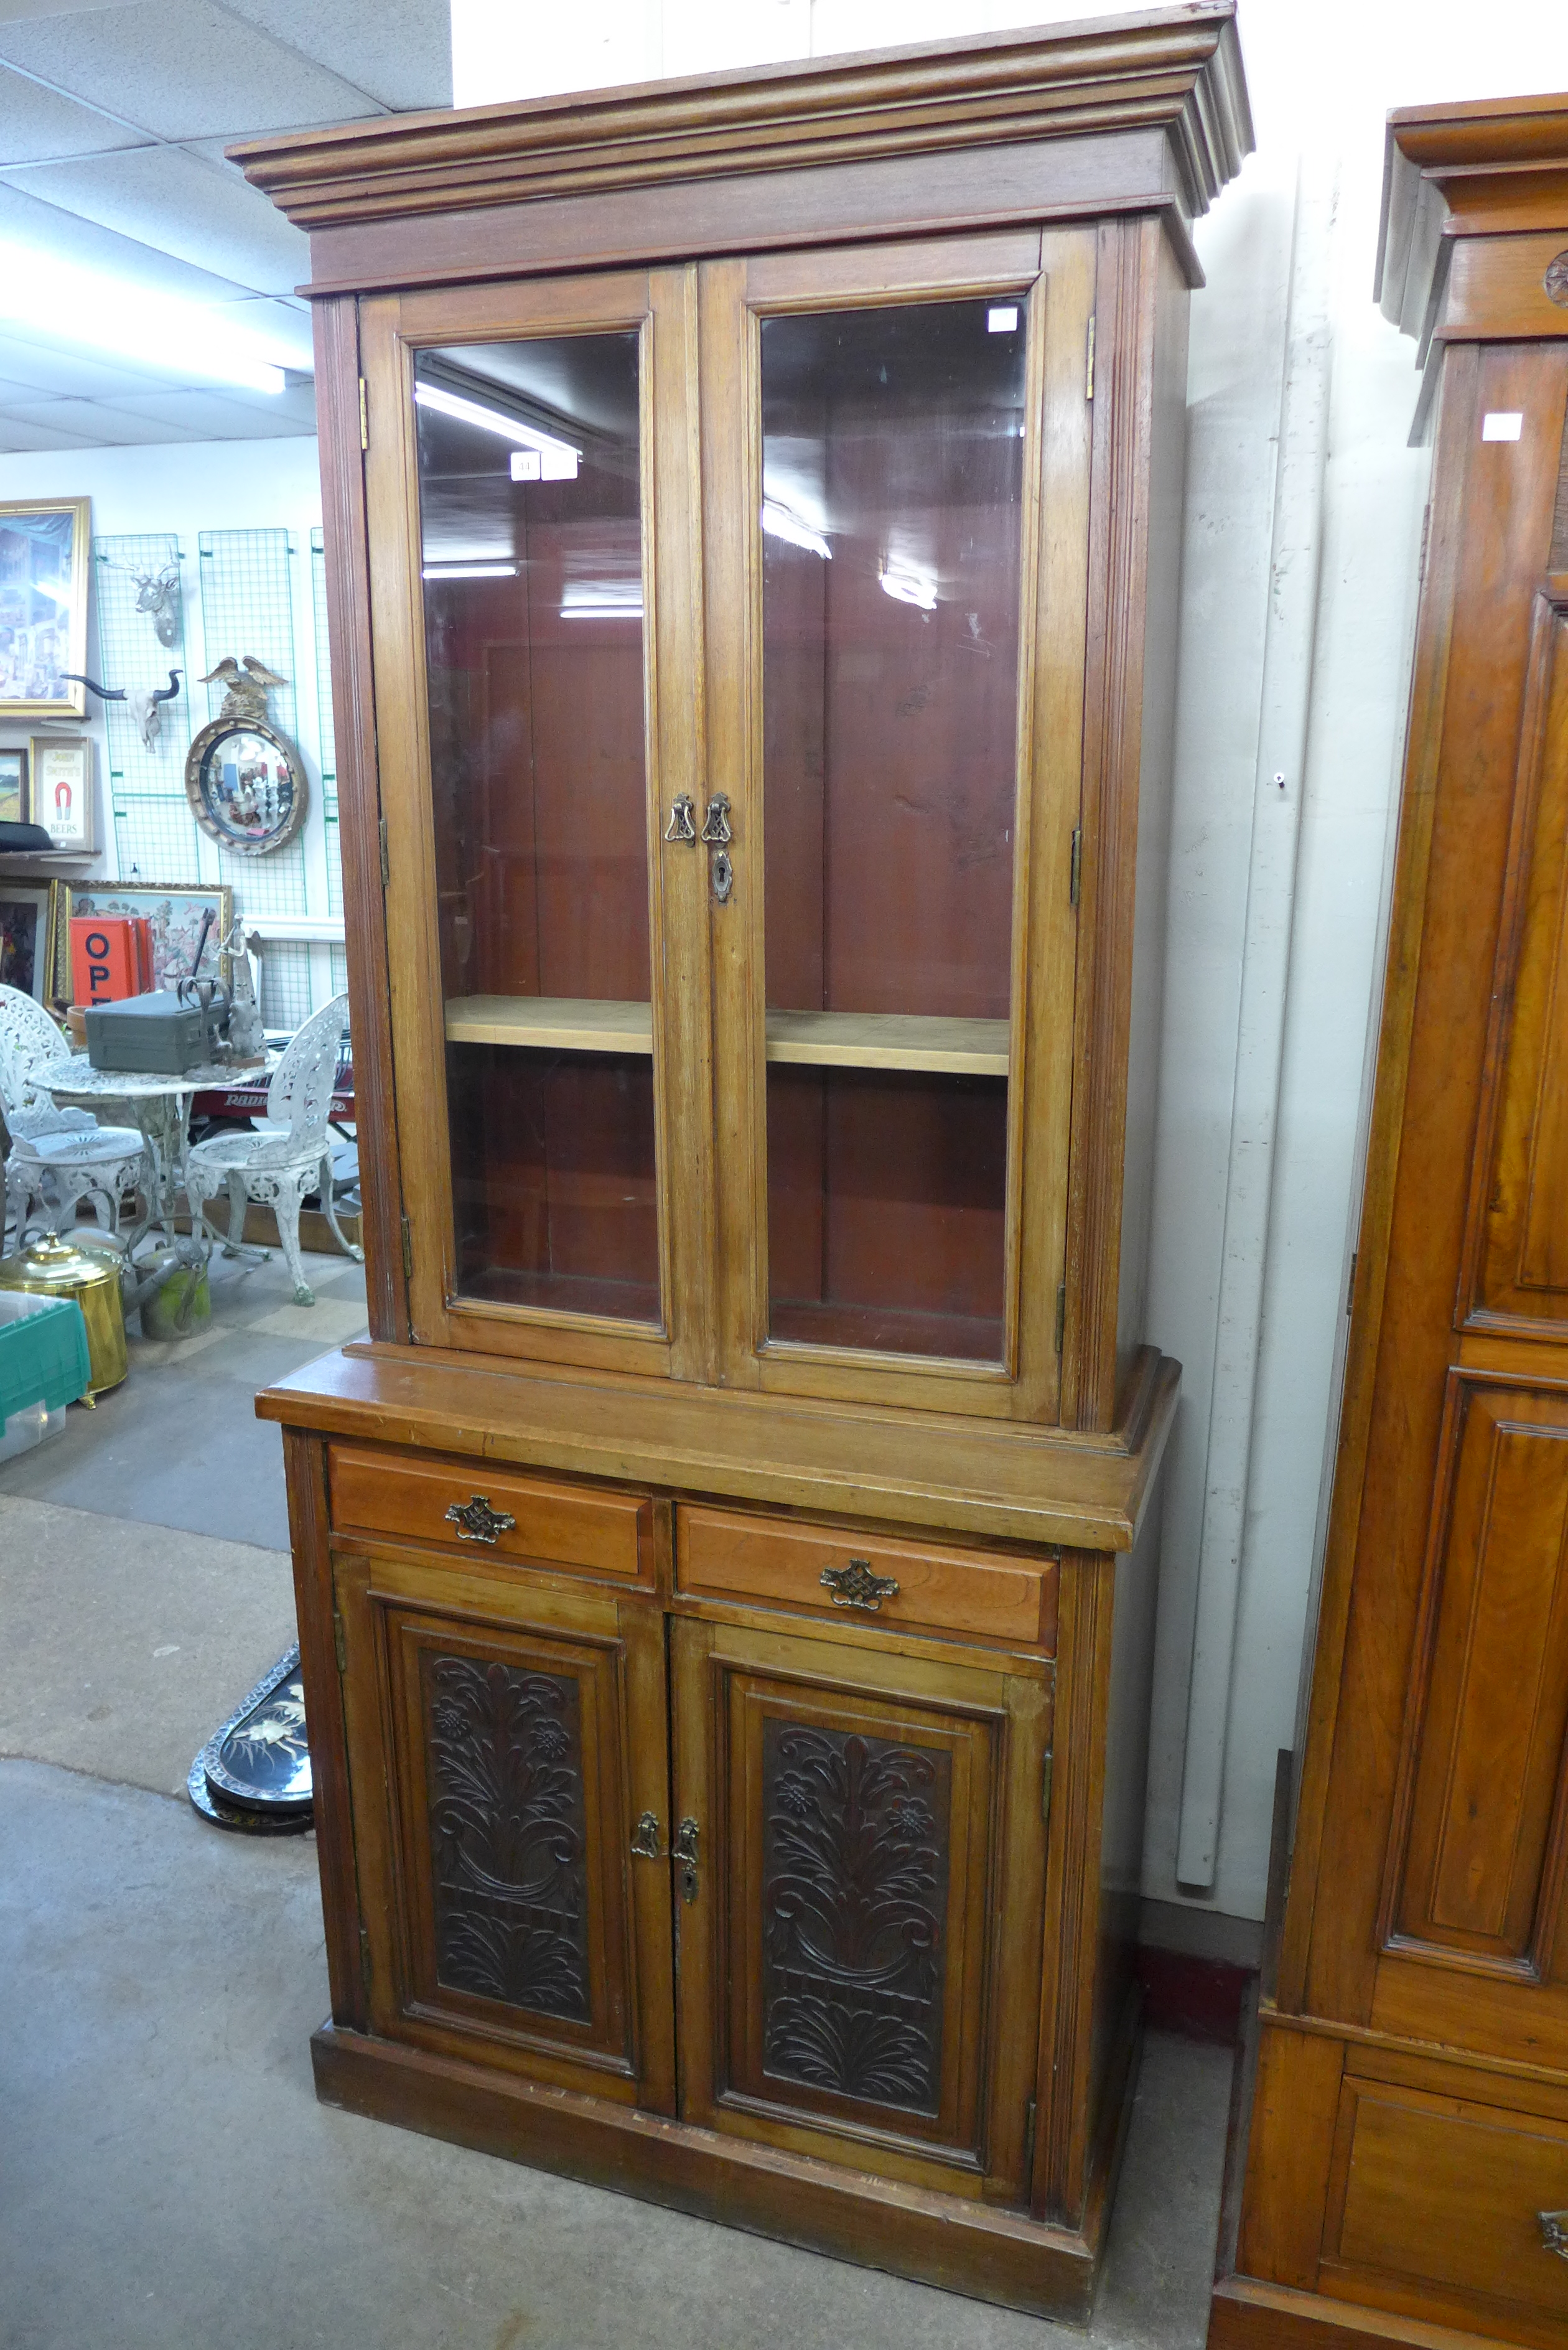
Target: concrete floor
x,y
167,2179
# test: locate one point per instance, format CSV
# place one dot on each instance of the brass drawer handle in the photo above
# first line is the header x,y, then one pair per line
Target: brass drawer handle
x,y
1554,2232
476,1521
645,1838
854,1586
682,824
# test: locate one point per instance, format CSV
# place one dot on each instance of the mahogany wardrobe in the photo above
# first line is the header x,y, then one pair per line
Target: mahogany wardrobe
x,y
1400,2152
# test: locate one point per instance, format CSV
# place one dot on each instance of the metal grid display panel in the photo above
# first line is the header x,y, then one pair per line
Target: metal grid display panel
x,y
248,607
156,837
326,735
285,984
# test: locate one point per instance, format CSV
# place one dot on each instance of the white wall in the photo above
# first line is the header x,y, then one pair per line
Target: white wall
x,y
1298,596
186,488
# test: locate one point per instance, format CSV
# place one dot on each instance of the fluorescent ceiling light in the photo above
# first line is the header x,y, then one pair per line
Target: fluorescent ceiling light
x,y
536,456
61,303
602,599
916,588
470,571
779,522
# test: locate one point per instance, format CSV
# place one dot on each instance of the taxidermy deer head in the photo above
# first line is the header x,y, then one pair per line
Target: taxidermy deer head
x,y
158,595
143,701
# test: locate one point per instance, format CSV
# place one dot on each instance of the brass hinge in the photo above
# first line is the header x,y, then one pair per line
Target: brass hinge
x,y
364,417
1350,1284
365,1959
1028,2141
386,862
1089,368
338,1642
1060,1314
1047,1770
407,1250
1076,876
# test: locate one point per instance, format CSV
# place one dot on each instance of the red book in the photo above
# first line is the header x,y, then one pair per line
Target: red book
x,y
103,958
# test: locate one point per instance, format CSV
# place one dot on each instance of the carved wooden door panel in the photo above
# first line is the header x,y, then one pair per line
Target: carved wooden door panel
x,y
1474,1927
505,1740
859,1911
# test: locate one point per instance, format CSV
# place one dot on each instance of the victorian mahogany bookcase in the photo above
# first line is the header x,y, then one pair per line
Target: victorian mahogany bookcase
x,y
726,1578
1401,2155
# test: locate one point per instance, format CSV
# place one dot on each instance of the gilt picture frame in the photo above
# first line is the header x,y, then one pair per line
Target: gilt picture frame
x,y
45,545
13,787
30,936
174,912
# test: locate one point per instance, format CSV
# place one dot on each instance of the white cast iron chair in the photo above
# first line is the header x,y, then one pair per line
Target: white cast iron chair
x,y
57,1157
288,1157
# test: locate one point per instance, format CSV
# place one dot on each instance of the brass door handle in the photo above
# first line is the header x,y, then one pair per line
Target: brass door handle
x,y
854,1586
683,1853
1554,2232
476,1521
645,1838
682,824
716,838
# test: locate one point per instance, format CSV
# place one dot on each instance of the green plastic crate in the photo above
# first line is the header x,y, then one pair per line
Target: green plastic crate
x,y
42,1352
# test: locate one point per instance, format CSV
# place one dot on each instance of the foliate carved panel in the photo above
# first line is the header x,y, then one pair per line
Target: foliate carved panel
x,y
508,1847
855,1839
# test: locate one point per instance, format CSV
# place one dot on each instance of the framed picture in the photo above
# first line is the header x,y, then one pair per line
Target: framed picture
x,y
175,909
29,936
44,550
13,787
59,793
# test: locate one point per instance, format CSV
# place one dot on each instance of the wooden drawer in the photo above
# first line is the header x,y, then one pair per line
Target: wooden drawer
x,y
555,1525
725,1555
1443,2194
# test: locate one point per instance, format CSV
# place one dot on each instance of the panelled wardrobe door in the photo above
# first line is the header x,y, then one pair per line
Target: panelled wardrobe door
x,y
895,476
505,1740
533,553
861,1854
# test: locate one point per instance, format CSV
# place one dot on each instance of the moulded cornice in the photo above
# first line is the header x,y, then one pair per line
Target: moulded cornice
x,y
1178,71
1488,166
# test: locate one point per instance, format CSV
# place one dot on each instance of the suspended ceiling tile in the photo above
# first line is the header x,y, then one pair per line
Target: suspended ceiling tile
x,y
17,437
162,196
29,220
79,424
214,415
36,125
65,371
401,54
181,69
286,324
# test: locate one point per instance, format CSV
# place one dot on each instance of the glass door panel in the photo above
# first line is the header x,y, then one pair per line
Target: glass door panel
x,y
891,519
532,555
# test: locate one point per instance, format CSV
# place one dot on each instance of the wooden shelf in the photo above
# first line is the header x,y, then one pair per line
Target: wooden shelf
x,y
561,1023
890,1040
845,1040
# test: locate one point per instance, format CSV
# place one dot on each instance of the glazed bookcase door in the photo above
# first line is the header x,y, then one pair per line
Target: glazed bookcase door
x,y
503,1742
532,591
896,469
860,1930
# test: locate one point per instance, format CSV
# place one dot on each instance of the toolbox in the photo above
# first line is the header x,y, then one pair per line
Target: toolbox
x,y
153,1033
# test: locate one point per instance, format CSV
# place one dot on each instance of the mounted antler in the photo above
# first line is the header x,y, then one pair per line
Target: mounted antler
x,y
104,693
